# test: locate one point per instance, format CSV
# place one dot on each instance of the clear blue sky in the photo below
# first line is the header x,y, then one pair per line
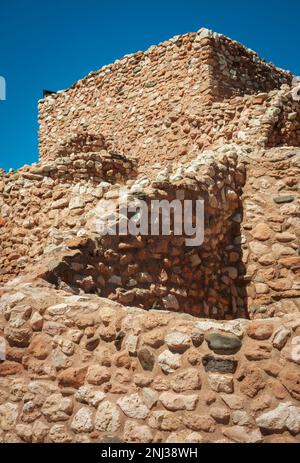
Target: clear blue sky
x,y
51,44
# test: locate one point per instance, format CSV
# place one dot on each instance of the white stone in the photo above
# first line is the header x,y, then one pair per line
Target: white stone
x,y
131,343
284,417
57,408
241,418
86,394
77,203
150,397
169,362
295,350
175,402
133,406
56,310
236,327
178,341
184,437
8,416
242,434
221,383
134,432
258,248
83,420
233,401
280,337
107,417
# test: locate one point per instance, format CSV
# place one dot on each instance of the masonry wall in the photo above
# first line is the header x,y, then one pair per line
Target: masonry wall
x,y
156,105
236,70
84,369
147,271
271,231
36,203
248,263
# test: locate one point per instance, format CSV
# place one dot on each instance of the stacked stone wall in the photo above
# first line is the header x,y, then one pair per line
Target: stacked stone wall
x,y
85,369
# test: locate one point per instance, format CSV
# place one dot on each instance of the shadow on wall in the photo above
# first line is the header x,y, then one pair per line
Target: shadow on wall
x,y
161,272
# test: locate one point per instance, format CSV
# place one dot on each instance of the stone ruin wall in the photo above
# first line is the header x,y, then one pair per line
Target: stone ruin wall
x,y
248,264
271,231
206,280
85,362
36,203
85,369
168,102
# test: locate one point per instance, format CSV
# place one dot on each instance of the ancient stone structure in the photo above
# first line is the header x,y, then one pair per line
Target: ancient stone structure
x,y
143,338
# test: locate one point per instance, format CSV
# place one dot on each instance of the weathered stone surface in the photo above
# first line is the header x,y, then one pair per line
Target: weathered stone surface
x,y
242,434
92,343
146,358
220,415
284,199
219,365
9,369
149,397
72,377
223,344
175,402
137,433
88,395
142,380
252,381
294,351
107,417
260,330
277,388
197,422
154,338
83,420
178,342
133,406
280,337
164,421
131,344
261,232
241,418
290,378
57,408
169,362
8,416
59,434
197,339
233,326
18,333
40,346
101,337
39,432
221,383
98,375
185,437
256,352
186,380
284,417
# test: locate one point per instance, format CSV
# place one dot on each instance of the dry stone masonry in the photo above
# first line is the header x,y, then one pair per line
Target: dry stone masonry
x,y
143,338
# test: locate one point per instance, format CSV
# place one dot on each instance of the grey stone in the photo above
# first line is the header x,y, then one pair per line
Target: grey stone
x,y
283,199
223,344
219,365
